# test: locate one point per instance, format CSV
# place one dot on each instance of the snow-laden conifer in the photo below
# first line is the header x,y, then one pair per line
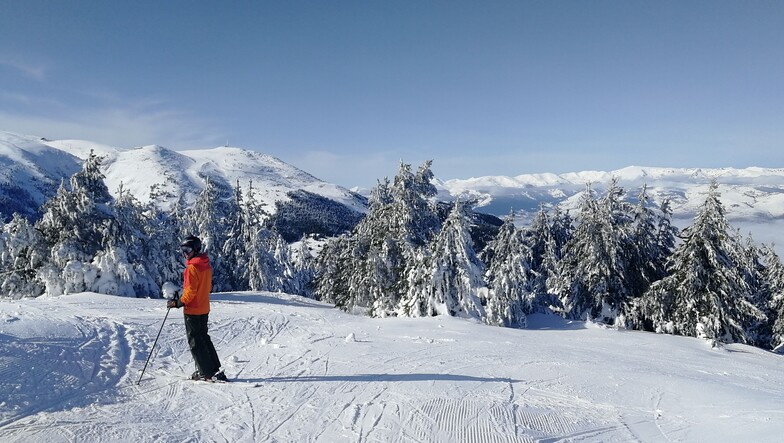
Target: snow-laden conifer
x,y
248,245
774,278
705,294
330,281
233,248
114,274
378,278
753,270
416,219
378,247
455,272
414,302
73,227
209,218
123,262
303,264
20,256
646,260
593,275
507,275
372,267
666,234
161,250
264,270
281,253
544,240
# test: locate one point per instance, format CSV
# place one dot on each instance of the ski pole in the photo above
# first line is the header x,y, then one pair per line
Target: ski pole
x,y
153,345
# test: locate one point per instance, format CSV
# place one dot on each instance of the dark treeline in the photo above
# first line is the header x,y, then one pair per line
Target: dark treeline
x,y
617,260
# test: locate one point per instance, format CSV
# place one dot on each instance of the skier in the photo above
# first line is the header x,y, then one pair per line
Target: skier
x,y
196,300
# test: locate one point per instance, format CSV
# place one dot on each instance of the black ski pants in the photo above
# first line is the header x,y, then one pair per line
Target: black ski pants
x,y
207,362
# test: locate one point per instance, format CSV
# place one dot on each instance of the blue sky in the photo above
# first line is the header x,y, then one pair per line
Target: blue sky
x,y
347,89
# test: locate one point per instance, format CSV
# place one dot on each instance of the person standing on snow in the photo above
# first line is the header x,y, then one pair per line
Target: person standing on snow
x,y
196,300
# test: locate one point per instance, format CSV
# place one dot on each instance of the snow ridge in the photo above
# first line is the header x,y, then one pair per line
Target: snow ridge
x,y
173,172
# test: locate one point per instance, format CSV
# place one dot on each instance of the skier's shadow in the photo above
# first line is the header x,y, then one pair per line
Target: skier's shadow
x,y
366,378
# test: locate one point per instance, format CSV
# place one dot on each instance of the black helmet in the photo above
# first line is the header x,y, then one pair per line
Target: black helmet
x,y
191,242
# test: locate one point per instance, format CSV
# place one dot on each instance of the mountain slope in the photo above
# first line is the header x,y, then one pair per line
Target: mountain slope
x,y
30,172
138,169
305,371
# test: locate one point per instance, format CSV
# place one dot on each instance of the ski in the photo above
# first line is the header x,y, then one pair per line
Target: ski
x,y
247,384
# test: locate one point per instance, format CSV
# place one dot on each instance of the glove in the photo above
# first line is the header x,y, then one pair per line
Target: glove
x,y
174,304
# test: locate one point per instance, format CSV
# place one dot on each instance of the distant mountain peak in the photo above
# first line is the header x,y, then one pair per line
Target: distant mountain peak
x,y
34,167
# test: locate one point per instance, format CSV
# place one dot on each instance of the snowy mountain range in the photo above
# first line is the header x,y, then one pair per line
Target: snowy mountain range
x,y
32,168
748,194
752,197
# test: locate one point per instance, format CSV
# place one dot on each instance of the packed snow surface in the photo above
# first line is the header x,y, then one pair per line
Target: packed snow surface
x,y
303,371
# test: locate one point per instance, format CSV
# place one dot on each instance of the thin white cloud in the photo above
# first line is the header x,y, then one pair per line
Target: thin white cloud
x,y
29,100
37,71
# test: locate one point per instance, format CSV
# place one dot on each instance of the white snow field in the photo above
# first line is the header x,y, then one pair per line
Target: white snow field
x,y
306,372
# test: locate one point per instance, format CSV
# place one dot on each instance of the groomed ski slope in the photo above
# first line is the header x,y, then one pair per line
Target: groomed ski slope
x,y
306,372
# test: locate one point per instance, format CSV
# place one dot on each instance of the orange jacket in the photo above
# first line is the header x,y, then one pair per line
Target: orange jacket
x,y
198,285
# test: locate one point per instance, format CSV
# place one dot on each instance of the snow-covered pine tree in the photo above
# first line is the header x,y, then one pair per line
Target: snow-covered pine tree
x,y
411,200
666,235
455,271
121,265
539,241
281,252
330,282
774,280
379,242
263,268
341,275
646,261
654,240
414,302
73,227
303,262
705,294
378,279
542,243
507,275
161,251
562,228
592,281
20,256
412,219
400,217
208,219
113,273
233,248
753,271
251,221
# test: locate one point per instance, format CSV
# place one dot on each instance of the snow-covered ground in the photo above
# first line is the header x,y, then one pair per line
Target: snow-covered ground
x,y
305,371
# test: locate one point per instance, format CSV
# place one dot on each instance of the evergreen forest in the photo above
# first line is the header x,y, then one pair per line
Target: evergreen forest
x,y
618,260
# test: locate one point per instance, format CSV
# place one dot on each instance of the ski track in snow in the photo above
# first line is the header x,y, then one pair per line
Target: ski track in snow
x,y
69,367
